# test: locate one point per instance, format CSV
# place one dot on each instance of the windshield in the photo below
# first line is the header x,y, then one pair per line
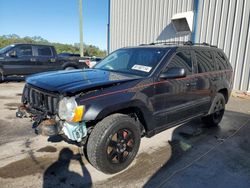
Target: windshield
x,y
137,61
6,49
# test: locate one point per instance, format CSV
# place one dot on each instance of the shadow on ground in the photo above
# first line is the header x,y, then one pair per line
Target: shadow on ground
x,y
13,79
208,157
196,156
58,174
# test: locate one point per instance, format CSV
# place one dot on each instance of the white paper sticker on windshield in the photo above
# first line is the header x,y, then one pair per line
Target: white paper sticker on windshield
x,y
142,68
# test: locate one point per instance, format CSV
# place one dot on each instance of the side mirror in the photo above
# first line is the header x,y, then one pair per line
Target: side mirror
x,y
12,53
173,72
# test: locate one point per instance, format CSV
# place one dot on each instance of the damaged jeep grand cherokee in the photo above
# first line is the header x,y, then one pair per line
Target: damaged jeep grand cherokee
x,y
134,92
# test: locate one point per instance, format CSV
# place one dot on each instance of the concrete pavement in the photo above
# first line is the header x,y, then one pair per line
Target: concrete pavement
x,y
189,155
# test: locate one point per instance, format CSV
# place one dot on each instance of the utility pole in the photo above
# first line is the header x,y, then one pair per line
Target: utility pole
x,y
80,27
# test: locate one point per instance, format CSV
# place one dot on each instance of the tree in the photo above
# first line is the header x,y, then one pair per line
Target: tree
x,y
90,50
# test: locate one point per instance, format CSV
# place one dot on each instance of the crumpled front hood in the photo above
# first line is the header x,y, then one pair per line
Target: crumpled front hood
x,y
76,80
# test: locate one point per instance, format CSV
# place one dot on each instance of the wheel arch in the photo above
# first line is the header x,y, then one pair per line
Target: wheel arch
x,y
134,111
224,92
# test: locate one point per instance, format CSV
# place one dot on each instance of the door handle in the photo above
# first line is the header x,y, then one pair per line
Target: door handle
x,y
52,60
214,79
33,59
191,84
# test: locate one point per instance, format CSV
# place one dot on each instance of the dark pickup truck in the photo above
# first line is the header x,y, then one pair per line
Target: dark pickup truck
x,y
26,59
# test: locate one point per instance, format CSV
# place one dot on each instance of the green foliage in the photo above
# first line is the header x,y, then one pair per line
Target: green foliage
x,y
94,51
89,50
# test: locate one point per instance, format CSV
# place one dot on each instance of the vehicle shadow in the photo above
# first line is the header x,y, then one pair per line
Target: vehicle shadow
x,y
13,79
201,158
58,174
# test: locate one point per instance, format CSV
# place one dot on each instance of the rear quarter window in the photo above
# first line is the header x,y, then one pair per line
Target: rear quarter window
x,y
205,61
221,61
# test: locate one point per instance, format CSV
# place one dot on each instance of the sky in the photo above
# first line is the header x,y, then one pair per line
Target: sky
x,y
56,20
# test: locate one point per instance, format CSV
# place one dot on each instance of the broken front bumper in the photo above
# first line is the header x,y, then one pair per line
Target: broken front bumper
x,y
50,127
41,124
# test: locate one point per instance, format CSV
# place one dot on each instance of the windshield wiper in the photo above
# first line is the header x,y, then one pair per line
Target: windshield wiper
x,y
122,72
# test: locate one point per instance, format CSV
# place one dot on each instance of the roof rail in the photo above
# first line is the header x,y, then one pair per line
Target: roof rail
x,y
168,42
205,44
179,42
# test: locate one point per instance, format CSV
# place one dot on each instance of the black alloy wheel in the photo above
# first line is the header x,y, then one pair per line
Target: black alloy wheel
x,y
218,109
120,146
114,143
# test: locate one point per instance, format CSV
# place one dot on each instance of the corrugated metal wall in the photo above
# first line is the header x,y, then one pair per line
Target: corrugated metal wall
x,y
225,23
133,22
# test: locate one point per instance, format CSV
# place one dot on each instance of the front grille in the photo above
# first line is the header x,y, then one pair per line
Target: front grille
x,y
40,100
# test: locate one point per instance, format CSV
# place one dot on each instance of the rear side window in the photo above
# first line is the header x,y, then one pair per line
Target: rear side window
x,y
204,61
221,62
182,59
43,51
24,50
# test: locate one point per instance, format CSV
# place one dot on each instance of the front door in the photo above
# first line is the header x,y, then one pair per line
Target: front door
x,y
174,98
22,63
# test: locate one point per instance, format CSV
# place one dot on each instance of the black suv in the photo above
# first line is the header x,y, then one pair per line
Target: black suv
x,y
134,92
25,59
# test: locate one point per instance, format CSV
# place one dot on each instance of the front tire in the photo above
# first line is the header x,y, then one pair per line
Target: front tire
x,y
114,143
218,109
1,76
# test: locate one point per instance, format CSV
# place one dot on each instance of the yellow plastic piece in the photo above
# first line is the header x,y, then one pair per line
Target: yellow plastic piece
x,y
79,111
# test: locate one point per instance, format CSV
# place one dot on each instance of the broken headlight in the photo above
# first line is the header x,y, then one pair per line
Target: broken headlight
x,y
69,110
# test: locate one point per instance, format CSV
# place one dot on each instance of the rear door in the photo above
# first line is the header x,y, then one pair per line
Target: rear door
x,y
174,100
45,58
223,76
21,64
205,78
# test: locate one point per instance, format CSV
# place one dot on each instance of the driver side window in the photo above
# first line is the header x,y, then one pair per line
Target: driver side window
x,y
24,50
182,59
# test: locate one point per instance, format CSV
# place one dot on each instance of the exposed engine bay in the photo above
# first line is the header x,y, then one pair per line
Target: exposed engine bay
x,y
51,116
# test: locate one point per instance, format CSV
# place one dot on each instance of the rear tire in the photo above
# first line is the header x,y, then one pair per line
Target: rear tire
x,y
69,68
218,109
114,143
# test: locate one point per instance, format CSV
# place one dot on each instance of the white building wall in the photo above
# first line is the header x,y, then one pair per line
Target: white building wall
x,y
224,23
134,22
